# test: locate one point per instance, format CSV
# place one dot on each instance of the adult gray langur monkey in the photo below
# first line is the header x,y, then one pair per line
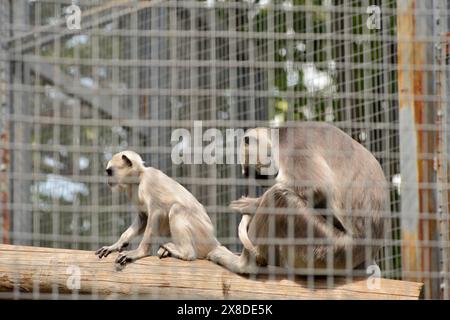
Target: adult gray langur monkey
x,y
166,209
325,209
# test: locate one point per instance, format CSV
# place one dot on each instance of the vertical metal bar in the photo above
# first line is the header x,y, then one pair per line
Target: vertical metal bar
x,y
96,168
329,112
173,76
115,114
233,108
76,143
348,102
442,149
194,83
252,190
310,105
134,75
271,59
368,137
368,82
348,27
164,73
154,74
56,106
21,166
4,182
5,92
251,72
134,83
174,102
290,68
37,126
387,105
212,169
96,164
309,28
290,60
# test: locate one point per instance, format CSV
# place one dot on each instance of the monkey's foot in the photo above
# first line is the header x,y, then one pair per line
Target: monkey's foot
x,y
129,256
106,250
162,252
214,256
173,251
245,205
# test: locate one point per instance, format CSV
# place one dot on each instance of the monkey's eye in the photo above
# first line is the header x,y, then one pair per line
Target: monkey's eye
x,y
109,172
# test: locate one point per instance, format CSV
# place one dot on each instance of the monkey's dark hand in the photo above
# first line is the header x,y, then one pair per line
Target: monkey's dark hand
x,y
106,250
245,205
130,256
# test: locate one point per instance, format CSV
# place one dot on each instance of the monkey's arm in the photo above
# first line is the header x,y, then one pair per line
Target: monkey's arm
x,y
136,228
144,247
283,208
246,205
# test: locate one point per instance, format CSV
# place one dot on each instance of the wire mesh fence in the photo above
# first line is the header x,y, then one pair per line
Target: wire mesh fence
x,y
132,72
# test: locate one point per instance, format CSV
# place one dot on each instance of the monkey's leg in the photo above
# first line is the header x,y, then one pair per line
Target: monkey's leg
x,y
136,228
183,246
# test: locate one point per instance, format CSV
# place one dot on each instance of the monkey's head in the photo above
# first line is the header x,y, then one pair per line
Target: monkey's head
x,y
257,153
123,169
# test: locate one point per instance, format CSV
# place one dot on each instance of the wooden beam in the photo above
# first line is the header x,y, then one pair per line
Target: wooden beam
x,y
28,269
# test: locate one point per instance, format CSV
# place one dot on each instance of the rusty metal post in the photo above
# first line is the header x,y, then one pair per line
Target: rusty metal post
x,y
417,143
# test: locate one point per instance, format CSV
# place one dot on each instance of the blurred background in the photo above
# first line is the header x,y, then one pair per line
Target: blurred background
x,y
136,70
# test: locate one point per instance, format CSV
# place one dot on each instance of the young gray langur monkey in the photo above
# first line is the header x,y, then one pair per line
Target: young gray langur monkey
x,y
330,193
166,209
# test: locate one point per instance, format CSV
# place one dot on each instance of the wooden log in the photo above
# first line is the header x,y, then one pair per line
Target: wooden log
x,y
46,270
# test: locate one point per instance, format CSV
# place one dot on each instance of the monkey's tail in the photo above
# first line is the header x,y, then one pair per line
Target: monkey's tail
x,y
243,234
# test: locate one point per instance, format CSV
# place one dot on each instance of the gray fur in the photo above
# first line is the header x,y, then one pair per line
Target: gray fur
x,y
166,209
329,187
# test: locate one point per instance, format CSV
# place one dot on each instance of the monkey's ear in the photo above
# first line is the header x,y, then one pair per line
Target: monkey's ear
x,y
127,160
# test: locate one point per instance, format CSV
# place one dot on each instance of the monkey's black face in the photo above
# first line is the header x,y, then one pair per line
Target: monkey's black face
x,y
113,174
110,173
